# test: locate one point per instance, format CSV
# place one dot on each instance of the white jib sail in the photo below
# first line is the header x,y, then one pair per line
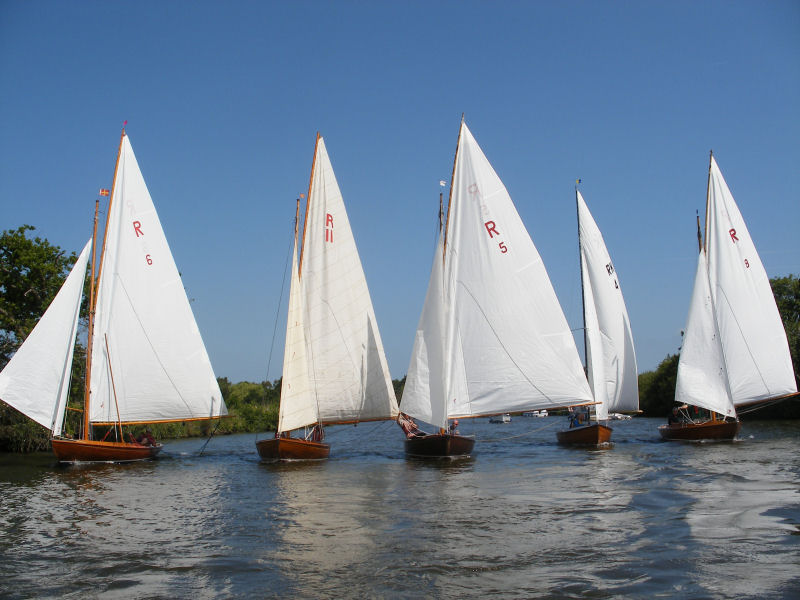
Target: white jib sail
x,y
298,405
753,337
424,390
611,360
702,376
347,366
504,321
36,379
160,367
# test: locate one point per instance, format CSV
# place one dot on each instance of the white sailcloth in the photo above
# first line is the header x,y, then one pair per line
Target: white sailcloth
x,y
507,345
759,365
347,368
702,376
36,379
298,406
426,379
611,360
156,356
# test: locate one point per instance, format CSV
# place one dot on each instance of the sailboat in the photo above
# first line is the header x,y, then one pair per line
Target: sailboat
x,y
146,361
492,338
735,352
608,340
334,366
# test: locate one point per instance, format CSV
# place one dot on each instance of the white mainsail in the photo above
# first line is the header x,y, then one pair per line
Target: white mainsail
x,y
145,335
610,356
507,345
36,379
347,371
702,378
759,365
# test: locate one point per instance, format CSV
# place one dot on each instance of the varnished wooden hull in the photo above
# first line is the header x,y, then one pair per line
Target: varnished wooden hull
x,y
72,451
292,449
710,430
439,445
589,435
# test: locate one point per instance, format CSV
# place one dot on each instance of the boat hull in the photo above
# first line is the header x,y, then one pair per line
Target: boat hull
x,y
710,430
292,449
589,435
439,445
74,451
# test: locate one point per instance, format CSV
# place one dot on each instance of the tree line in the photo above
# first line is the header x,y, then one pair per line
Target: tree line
x,y
32,271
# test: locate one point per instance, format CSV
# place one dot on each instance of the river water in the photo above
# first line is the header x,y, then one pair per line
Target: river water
x,y
522,518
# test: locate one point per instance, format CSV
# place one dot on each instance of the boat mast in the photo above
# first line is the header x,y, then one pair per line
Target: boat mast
x,y
308,200
452,183
94,286
708,199
86,375
583,297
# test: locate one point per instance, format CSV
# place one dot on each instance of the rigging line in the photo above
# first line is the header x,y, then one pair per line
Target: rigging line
x,y
344,343
147,337
744,339
278,310
502,345
219,422
511,437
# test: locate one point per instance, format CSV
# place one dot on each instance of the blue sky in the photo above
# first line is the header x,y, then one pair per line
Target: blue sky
x,y
223,101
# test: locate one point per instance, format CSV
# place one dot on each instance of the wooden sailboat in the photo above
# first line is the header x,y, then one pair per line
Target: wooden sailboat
x,y
492,337
608,339
735,352
146,361
334,367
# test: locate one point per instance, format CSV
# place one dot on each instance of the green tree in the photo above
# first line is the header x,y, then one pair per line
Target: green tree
x,y
787,297
657,388
31,273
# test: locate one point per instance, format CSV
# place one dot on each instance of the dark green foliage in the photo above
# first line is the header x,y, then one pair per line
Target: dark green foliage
x,y
399,385
787,297
657,388
31,273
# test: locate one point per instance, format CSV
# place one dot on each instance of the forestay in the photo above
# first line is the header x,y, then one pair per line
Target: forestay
x,y
36,379
757,355
347,367
507,345
702,378
610,356
160,367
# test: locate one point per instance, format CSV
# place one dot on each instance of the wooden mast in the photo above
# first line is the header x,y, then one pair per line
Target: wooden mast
x,y
95,284
583,297
708,199
308,200
87,374
452,183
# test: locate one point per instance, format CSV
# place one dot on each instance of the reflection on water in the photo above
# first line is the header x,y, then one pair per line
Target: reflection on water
x,y
522,518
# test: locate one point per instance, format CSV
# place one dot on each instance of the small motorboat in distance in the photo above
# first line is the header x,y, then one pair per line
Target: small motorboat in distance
x,y
506,418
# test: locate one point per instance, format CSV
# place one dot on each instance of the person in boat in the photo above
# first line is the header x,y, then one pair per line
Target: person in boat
x,y
454,427
579,416
146,438
317,434
675,417
408,426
